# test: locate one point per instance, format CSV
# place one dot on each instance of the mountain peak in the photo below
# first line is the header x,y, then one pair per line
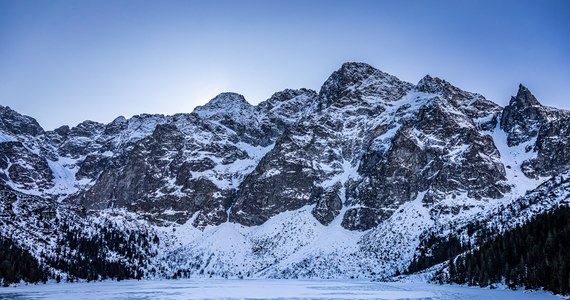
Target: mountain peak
x,y
430,84
227,97
288,94
357,67
120,120
226,102
355,80
524,98
13,122
523,117
436,85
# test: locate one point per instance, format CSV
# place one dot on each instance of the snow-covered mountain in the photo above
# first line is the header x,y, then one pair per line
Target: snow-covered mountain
x,y
347,182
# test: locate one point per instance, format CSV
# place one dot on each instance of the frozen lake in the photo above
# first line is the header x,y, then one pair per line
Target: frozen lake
x,y
259,289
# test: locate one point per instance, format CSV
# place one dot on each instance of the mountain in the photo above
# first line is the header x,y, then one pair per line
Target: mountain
x,y
357,180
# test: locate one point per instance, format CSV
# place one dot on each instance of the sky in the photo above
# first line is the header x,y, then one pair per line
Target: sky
x,y
63,62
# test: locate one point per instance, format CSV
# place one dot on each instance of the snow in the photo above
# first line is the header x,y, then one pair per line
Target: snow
x,y
63,178
396,114
349,171
271,173
228,176
512,158
271,250
262,289
397,238
7,138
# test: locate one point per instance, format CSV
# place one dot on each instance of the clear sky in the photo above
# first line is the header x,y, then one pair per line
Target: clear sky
x,y
63,62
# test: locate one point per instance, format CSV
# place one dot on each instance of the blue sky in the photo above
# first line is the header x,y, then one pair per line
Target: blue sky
x,y
63,62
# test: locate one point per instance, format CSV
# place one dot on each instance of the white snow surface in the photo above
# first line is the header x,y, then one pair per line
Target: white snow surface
x,y
63,177
512,158
277,248
262,289
6,138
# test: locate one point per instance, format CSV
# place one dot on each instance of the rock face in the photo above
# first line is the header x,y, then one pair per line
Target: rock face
x,y
523,118
24,169
553,150
14,123
436,151
383,141
363,146
328,205
167,168
322,150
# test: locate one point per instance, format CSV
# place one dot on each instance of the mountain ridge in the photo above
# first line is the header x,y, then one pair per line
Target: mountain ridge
x,y
344,182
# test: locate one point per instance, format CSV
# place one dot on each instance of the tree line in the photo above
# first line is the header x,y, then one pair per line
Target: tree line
x,y
535,255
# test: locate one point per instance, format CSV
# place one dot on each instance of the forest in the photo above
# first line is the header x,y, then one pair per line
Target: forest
x,y
534,256
17,264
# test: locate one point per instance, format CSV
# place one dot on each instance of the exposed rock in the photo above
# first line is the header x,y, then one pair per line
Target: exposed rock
x,y
524,116
272,189
553,150
482,111
287,107
14,123
356,81
440,153
23,169
328,205
311,153
118,125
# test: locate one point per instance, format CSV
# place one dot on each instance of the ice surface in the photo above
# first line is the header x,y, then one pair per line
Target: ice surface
x,y
63,177
260,289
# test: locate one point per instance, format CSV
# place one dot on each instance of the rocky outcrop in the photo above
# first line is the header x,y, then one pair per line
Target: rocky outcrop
x,y
287,107
357,81
258,125
23,169
482,111
524,116
544,130
440,152
155,176
279,183
14,123
553,150
319,151
171,168
328,205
